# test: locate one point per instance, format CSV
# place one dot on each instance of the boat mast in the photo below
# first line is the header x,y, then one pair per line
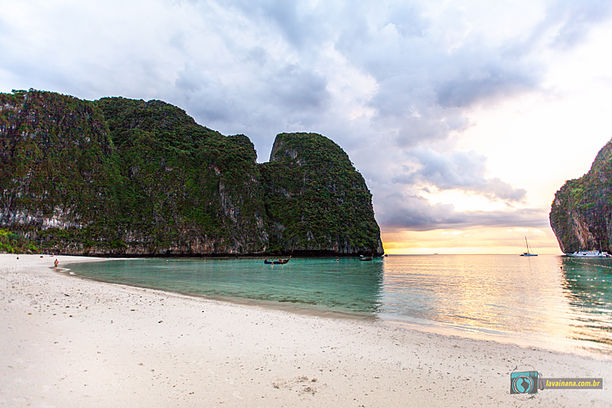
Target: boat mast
x,y
526,243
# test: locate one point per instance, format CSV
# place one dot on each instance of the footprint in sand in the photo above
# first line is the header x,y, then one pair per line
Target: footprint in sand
x,y
302,385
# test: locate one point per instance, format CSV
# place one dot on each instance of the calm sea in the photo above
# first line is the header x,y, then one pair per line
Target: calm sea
x,y
546,301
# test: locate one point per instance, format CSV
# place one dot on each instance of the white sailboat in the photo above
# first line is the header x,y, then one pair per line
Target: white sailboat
x,y
527,253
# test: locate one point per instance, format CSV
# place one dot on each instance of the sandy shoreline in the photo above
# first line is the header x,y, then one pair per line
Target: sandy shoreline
x,y
70,342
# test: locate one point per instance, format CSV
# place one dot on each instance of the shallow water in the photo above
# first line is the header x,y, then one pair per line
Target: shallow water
x,y
545,301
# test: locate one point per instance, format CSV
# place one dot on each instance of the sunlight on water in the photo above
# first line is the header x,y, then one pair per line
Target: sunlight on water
x,y
549,299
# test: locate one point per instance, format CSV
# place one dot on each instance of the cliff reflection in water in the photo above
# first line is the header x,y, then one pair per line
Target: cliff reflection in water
x,y
327,284
587,285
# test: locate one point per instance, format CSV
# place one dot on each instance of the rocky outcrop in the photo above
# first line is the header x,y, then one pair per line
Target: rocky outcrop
x,y
127,177
316,200
581,213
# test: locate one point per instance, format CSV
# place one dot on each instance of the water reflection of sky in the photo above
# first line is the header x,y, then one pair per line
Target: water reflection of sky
x,y
507,294
550,297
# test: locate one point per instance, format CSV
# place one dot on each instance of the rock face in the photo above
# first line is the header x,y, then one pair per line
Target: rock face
x,y
316,200
128,177
581,213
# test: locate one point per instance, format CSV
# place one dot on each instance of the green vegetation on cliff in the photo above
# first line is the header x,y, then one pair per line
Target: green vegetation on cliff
x,y
182,184
316,198
581,213
123,176
57,166
11,242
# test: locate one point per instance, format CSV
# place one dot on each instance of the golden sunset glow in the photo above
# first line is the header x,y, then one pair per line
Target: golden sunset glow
x,y
535,141
473,240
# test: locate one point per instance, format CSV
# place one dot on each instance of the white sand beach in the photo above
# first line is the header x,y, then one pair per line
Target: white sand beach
x,y
70,342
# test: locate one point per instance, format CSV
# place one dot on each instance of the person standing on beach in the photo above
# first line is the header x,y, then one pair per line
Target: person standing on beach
x,y
56,263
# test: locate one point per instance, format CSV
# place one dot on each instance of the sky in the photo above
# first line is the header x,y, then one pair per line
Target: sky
x,y
464,117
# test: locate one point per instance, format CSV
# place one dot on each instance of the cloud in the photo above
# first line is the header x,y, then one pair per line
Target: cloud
x,y
294,20
296,88
457,170
487,82
411,212
277,92
568,21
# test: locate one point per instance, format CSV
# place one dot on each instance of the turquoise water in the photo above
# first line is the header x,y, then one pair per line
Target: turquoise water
x,y
546,301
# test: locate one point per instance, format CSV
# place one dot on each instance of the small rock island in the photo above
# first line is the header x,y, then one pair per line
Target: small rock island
x,y
119,176
581,213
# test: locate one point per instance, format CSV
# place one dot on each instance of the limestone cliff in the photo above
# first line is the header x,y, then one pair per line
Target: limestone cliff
x,y
316,200
581,213
127,177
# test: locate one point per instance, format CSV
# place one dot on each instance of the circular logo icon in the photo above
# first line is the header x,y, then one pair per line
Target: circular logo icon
x,y
523,384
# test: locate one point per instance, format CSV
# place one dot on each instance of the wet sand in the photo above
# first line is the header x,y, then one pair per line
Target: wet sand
x,y
69,342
